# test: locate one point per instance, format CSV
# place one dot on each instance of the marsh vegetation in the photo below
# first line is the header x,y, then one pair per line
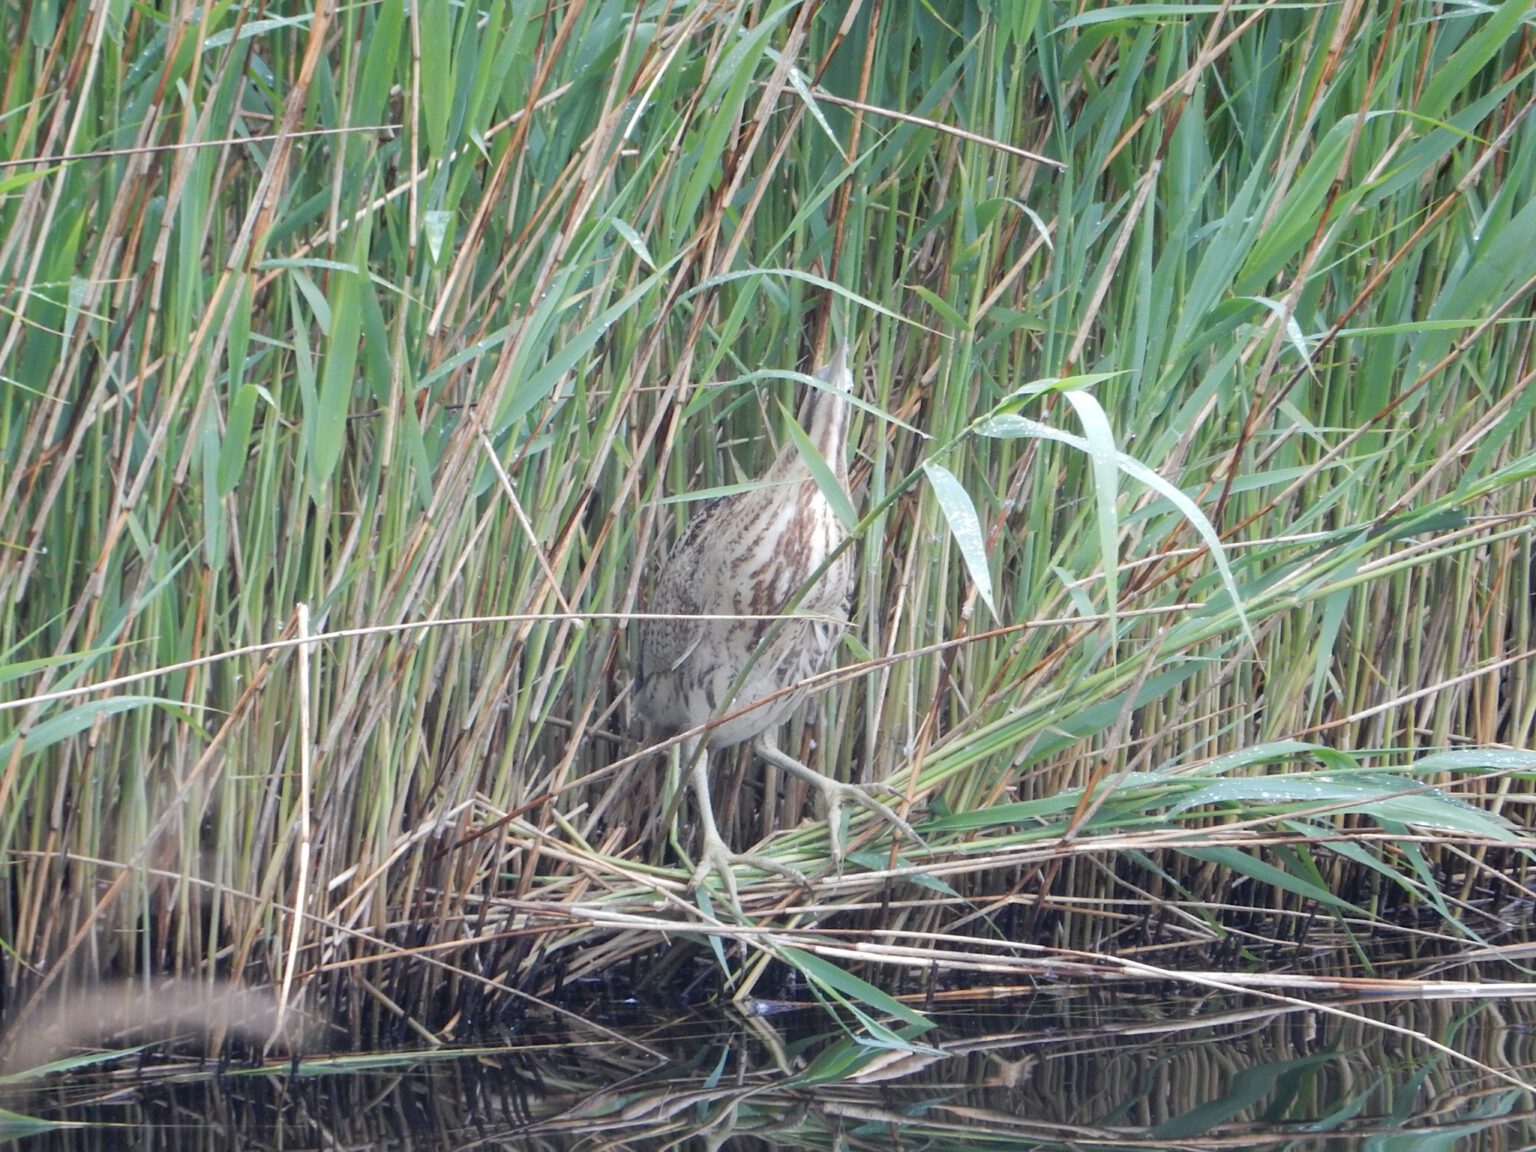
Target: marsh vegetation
x,y
358,367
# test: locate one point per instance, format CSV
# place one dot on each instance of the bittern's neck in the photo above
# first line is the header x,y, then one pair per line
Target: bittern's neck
x,y
824,415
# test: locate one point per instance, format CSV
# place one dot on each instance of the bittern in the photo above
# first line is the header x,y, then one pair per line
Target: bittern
x,y
743,558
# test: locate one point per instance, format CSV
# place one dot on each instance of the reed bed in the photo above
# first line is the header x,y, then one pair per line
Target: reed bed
x,y
358,366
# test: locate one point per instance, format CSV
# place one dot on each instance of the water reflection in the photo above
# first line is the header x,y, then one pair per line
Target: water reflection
x,y
1069,1067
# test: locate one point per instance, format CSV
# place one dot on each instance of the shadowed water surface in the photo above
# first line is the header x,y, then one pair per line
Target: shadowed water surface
x,y
1066,1067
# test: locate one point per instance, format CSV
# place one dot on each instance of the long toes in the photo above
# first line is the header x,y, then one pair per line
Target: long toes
x,y
723,863
768,864
854,794
720,868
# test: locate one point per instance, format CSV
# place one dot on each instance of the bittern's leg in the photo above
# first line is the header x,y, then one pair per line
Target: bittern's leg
x,y
714,854
834,792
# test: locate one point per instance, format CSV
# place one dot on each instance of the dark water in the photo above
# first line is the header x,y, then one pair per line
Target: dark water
x,y
1065,1068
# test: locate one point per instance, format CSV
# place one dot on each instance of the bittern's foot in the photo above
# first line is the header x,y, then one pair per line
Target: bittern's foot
x,y
715,854
717,857
834,794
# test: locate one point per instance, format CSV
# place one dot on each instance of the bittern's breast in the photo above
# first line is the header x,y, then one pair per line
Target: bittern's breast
x,y
745,556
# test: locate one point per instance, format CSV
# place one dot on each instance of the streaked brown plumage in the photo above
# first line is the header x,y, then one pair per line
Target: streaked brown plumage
x,y
748,555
